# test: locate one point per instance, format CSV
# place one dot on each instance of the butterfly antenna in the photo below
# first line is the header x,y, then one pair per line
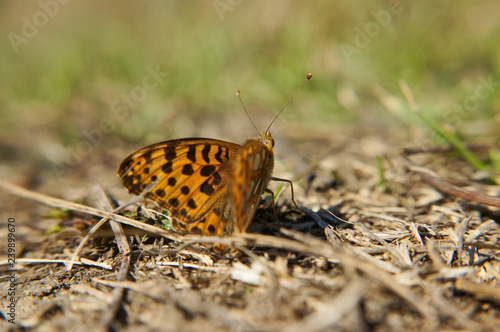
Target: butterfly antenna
x,y
308,77
244,108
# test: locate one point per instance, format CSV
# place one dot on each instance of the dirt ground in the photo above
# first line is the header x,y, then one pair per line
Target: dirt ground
x,y
415,247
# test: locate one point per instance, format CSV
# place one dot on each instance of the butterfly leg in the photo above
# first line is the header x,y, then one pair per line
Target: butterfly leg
x,y
269,191
291,188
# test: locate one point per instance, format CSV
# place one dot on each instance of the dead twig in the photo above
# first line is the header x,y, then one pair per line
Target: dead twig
x,y
82,261
480,291
446,148
60,203
123,246
450,189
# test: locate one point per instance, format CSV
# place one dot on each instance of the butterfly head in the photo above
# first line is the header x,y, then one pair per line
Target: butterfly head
x,y
266,139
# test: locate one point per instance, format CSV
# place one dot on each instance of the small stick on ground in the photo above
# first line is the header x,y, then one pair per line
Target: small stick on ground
x,y
450,189
121,240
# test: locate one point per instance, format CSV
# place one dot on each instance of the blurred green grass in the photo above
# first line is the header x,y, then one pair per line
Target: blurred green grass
x,y
89,55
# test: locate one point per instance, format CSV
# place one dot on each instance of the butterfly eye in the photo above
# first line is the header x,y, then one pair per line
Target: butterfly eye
x,y
266,138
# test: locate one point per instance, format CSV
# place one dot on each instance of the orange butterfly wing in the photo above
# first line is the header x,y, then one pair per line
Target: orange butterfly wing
x,y
250,172
187,177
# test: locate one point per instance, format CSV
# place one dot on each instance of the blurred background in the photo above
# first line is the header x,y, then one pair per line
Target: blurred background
x,y
85,83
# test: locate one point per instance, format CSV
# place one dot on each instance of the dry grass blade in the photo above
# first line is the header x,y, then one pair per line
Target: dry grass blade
x,y
243,239
146,288
118,292
330,313
83,261
117,228
87,237
447,148
453,190
479,291
60,203
189,266
266,268
348,260
461,233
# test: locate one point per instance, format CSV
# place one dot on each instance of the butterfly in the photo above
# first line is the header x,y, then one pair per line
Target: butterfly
x,y
209,186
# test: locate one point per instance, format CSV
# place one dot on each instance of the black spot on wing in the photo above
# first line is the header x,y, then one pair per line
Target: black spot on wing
x,y
125,166
205,153
171,181
218,155
147,156
207,188
207,170
160,192
167,168
191,155
174,202
195,230
185,190
192,204
187,169
217,179
170,153
211,229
